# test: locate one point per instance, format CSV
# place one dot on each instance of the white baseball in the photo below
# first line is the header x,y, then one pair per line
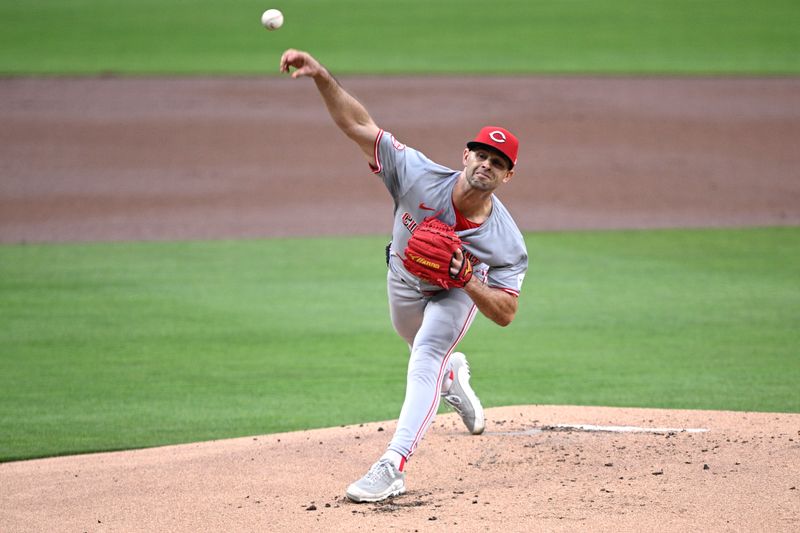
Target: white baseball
x,y
272,19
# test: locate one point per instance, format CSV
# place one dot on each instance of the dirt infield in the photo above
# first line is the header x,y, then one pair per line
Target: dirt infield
x,y
139,159
109,159
523,474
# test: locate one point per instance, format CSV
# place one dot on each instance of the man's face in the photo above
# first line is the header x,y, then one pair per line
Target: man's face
x,y
486,169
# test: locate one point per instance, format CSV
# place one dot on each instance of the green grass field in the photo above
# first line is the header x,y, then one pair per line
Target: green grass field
x,y
109,346
402,36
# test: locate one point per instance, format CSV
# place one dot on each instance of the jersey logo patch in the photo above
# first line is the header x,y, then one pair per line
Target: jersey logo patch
x,y
397,144
409,222
474,261
425,207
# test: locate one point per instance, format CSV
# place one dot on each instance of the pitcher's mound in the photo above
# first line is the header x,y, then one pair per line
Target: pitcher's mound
x,y
536,468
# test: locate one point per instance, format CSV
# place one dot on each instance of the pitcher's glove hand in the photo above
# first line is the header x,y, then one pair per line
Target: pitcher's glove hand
x,y
430,251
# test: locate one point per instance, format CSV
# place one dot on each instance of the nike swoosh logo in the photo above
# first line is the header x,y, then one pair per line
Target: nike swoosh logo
x,y
425,207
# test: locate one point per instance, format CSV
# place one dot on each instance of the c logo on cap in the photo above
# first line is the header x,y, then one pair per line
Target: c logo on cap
x,y
498,136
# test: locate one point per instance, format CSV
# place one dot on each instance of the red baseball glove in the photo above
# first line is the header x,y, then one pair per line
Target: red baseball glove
x,y
429,252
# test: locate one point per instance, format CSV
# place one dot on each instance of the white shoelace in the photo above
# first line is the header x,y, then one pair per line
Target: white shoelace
x,y
377,470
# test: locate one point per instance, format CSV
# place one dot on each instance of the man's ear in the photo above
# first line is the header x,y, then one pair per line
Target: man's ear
x,y
508,176
466,155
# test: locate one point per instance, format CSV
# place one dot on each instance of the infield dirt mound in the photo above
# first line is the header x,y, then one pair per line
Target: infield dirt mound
x,y
742,474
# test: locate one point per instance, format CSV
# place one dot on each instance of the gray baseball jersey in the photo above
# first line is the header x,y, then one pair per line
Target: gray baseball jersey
x,y
421,188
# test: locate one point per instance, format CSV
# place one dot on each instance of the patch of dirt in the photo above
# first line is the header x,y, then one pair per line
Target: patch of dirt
x,y
743,474
141,159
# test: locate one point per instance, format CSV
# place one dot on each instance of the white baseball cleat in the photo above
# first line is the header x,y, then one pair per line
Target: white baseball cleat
x,y
462,398
382,481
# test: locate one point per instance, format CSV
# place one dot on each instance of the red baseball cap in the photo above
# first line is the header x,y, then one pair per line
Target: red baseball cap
x,y
499,139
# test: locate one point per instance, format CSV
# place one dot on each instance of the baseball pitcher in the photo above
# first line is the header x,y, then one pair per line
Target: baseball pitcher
x,y
455,250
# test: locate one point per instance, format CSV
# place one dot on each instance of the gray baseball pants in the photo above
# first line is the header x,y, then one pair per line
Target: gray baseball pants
x,y
432,324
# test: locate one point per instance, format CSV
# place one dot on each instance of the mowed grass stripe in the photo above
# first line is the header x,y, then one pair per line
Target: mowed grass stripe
x,y
111,346
168,37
